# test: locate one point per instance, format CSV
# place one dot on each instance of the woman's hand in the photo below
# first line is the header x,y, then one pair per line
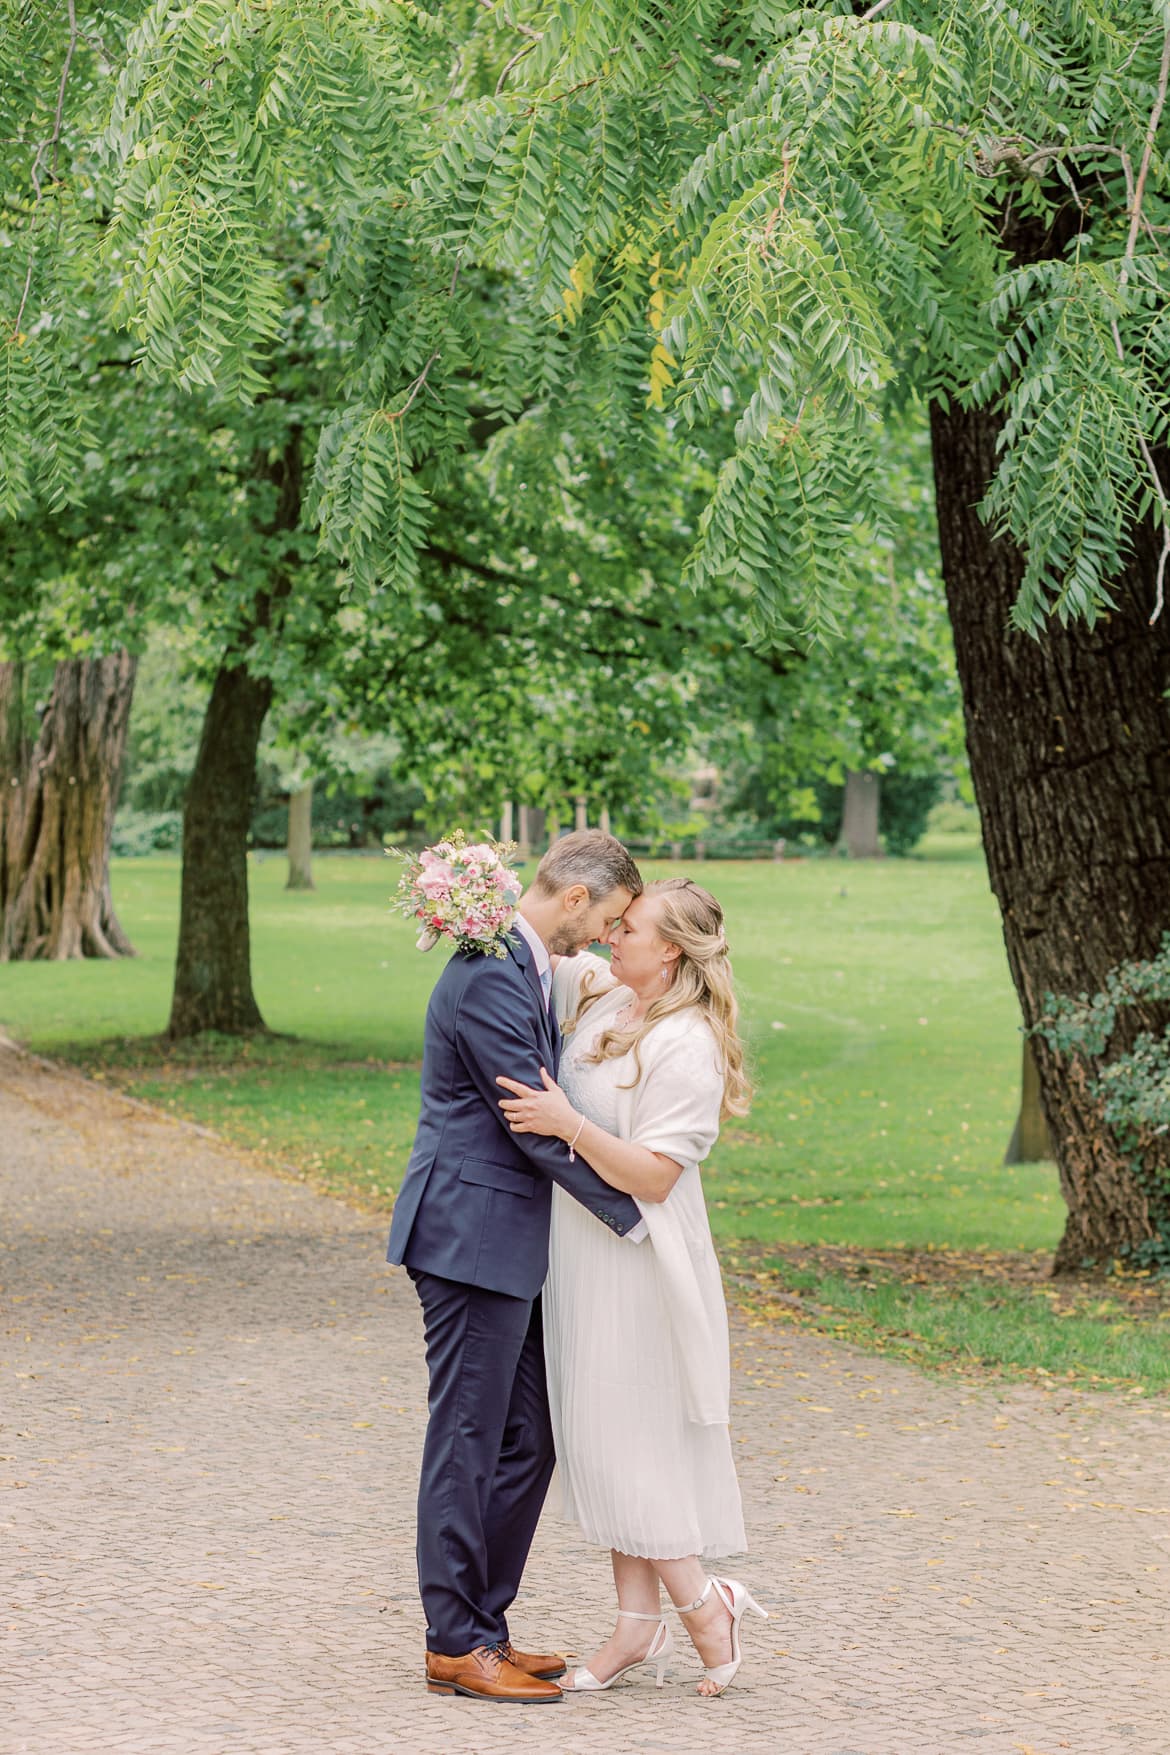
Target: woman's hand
x,y
531,1111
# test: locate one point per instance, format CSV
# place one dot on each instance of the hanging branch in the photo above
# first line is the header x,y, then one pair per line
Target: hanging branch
x,y
51,145
397,413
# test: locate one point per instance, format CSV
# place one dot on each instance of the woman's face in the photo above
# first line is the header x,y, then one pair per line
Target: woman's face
x,y
637,953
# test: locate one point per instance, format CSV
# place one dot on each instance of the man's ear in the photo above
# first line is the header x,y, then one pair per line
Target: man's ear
x,y
575,897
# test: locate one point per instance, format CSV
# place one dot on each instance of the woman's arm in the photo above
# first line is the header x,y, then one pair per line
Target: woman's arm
x,y
635,1169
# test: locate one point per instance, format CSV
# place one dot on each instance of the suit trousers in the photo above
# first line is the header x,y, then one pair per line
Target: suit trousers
x,y
487,1458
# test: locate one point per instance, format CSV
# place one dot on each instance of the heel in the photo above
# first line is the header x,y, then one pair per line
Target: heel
x,y
659,1654
736,1599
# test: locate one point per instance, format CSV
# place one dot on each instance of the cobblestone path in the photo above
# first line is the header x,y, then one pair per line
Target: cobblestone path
x,y
211,1394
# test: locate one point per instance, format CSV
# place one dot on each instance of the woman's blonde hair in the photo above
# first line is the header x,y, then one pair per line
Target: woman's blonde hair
x,y
692,919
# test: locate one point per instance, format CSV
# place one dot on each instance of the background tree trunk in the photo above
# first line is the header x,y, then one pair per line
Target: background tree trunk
x,y
57,803
859,815
300,838
1029,1143
1069,740
213,966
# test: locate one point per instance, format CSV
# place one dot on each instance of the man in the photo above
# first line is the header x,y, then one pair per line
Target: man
x,y
471,1226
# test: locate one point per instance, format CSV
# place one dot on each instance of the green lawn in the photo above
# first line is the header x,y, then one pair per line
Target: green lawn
x,y
880,1017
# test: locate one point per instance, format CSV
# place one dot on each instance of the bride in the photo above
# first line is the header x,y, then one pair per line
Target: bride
x,y
636,1336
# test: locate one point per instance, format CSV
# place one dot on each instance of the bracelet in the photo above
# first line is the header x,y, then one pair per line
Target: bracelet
x,y
573,1142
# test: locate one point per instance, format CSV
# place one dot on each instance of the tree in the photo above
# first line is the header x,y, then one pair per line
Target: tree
x,y
300,837
772,227
338,92
839,715
540,655
835,209
57,799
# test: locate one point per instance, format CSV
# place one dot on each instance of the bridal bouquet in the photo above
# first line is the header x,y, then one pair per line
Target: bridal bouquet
x,y
460,890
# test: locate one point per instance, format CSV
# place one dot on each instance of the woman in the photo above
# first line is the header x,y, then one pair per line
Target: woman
x,y
636,1334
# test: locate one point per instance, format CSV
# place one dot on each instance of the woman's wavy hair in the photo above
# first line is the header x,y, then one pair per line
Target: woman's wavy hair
x,y
692,919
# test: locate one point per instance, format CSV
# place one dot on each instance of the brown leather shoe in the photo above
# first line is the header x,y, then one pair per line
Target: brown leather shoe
x,y
548,1668
486,1674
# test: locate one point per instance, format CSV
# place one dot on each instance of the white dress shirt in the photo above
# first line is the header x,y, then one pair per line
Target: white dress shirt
x,y
540,954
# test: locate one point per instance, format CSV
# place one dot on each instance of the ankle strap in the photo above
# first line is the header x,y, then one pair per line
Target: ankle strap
x,y
689,1608
712,1584
636,1615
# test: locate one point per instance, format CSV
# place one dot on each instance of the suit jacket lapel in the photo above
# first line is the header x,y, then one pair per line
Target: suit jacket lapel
x,y
519,949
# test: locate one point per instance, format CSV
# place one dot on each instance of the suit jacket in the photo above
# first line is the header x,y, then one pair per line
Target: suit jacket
x,y
475,1202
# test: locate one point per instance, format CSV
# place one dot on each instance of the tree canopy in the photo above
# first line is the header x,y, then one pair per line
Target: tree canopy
x,y
771,223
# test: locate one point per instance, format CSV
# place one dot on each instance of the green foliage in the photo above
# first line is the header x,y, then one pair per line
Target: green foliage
x,y
1134,1085
767,231
220,113
905,807
881,694
138,832
814,812
828,204
366,810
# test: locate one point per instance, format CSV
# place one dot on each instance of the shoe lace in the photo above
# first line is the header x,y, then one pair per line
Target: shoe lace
x,y
500,1648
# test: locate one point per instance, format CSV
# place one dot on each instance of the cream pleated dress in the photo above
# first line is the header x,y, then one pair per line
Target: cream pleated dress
x,y
636,1338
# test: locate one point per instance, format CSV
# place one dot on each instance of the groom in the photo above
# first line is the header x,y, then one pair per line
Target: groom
x,y
471,1226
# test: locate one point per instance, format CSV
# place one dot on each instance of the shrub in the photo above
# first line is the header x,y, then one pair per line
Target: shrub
x,y
137,832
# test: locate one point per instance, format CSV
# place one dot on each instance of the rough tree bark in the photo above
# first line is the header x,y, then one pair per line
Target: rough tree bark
x,y
300,838
57,803
859,815
213,965
1069,740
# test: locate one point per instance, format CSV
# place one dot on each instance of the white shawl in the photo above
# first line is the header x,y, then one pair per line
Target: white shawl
x,y
674,1109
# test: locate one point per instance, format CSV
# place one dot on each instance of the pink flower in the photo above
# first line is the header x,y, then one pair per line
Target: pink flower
x,y
436,875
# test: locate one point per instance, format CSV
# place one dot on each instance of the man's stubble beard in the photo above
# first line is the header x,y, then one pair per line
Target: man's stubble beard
x,y
561,944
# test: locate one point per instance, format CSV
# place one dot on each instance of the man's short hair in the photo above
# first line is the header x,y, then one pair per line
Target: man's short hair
x,y
589,857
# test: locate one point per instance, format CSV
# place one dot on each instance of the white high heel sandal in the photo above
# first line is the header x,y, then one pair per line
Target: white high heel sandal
x,y
661,1651
735,1598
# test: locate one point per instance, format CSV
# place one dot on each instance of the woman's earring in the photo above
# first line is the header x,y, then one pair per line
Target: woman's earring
x,y
665,973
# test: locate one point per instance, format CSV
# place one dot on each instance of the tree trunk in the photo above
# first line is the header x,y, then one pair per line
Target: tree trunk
x,y
580,812
213,968
1069,740
57,806
213,965
859,818
300,838
506,821
1029,1143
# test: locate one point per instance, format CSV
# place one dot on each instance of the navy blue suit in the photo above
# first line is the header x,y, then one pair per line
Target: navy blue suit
x,y
471,1226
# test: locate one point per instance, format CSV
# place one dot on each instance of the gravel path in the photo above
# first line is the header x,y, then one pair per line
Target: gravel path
x,y
212,1405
